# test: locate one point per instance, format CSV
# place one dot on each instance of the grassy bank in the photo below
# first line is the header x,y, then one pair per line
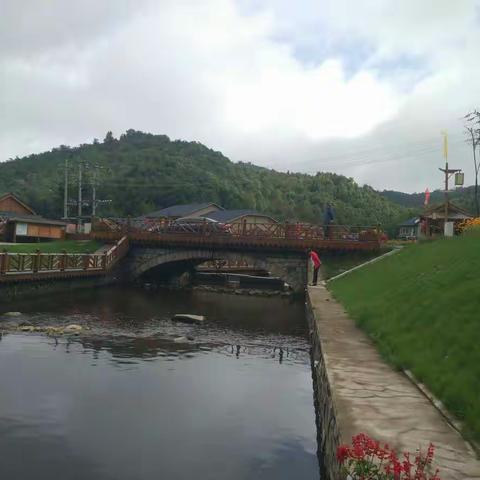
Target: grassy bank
x,y
422,308
71,246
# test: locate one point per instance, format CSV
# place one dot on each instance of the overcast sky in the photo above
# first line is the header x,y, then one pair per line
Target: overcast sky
x,y
358,87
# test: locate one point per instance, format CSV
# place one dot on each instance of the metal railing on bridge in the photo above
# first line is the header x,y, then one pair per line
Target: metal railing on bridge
x,y
278,235
34,265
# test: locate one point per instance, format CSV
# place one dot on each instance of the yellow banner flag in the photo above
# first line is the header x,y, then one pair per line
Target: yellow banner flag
x,y
445,144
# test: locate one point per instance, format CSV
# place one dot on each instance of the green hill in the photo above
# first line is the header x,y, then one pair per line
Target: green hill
x,y
143,172
421,307
463,197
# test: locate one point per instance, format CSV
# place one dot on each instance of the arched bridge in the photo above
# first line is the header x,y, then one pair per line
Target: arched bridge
x,y
277,248
289,266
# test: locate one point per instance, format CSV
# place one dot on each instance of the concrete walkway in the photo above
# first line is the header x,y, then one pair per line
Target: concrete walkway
x,y
370,397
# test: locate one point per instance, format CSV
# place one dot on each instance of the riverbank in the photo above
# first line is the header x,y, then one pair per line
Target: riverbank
x,y
357,392
421,307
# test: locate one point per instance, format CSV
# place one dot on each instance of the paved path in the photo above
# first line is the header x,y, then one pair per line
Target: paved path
x,y
371,397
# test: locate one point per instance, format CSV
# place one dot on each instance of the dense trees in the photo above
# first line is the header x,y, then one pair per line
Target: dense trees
x,y
462,197
145,172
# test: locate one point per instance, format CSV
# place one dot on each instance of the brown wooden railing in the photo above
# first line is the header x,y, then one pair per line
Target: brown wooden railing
x,y
278,235
38,264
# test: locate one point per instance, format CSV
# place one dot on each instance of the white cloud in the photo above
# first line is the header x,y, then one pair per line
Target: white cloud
x,y
294,85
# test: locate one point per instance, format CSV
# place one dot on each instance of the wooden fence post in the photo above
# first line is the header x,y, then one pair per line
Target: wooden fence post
x,y
63,261
3,262
104,261
36,261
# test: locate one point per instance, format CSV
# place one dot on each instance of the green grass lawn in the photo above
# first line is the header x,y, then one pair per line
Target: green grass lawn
x,y
422,308
71,246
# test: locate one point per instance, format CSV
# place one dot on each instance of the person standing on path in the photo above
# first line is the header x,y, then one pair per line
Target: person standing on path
x,y
316,265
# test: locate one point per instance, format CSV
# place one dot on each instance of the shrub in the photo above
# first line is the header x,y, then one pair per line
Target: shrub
x,y
366,459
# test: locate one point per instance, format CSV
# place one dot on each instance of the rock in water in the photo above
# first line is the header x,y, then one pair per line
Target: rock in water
x,y
188,318
12,314
27,328
73,328
180,340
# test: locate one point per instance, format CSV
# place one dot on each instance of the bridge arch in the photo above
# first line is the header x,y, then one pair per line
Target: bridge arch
x,y
292,267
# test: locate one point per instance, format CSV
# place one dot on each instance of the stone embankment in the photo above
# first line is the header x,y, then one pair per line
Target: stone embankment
x,y
356,391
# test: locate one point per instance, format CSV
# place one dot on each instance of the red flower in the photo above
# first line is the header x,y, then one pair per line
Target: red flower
x,y
343,452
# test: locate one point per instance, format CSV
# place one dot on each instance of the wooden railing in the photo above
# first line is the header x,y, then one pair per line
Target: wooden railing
x,y
37,264
288,235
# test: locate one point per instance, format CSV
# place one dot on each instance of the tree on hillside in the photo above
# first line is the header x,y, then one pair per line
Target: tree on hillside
x,y
109,138
472,127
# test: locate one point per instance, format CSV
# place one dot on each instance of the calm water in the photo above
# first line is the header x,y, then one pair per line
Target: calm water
x,y
130,399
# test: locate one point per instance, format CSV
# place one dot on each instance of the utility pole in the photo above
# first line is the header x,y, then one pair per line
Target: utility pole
x,y
79,220
94,193
65,192
448,173
95,181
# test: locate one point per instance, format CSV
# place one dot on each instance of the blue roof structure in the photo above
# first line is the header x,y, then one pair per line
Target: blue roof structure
x,y
411,222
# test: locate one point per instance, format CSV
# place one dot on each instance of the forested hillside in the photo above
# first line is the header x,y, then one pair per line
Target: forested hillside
x,y
143,172
463,197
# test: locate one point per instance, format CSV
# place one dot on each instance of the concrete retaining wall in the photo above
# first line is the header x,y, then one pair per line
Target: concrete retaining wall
x,y
357,392
11,290
328,435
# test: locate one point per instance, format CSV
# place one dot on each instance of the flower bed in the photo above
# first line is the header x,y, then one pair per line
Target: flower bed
x,y
367,459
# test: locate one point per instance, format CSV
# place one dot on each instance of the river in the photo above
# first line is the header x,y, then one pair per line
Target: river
x,y
137,396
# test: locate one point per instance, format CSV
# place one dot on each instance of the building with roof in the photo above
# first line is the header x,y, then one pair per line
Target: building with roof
x,y
190,210
409,229
433,219
432,222
19,222
239,216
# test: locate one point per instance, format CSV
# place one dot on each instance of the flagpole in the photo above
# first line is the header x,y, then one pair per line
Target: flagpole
x,y
425,206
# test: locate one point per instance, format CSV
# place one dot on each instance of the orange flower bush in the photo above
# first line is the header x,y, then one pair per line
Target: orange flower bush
x,y
366,459
470,226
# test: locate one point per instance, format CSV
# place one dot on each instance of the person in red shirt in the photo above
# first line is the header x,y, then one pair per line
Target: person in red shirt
x,y
316,265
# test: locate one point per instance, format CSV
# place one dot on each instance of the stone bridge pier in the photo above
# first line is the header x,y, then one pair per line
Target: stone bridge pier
x,y
289,266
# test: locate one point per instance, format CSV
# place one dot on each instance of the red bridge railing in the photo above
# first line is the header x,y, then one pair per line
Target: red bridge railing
x,y
38,264
279,235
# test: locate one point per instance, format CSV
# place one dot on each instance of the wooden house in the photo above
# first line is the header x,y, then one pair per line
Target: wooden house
x,y
432,220
20,223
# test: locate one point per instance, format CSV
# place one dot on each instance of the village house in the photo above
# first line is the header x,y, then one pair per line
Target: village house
x,y
249,219
20,223
409,229
180,211
237,217
432,222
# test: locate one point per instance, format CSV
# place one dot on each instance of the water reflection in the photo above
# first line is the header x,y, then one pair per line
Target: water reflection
x,y
139,396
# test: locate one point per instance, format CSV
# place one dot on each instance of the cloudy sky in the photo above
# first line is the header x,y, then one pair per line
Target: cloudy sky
x,y
358,87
